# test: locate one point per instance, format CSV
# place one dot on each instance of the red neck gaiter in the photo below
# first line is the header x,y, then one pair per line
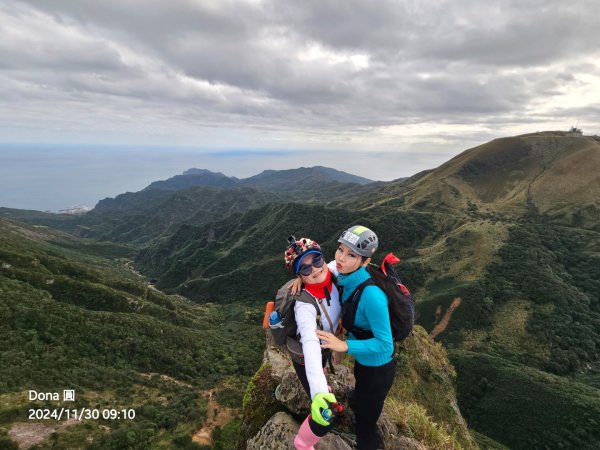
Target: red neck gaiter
x,y
318,289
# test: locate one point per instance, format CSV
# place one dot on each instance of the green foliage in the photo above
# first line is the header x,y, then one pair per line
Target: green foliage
x,y
225,438
259,404
6,443
548,266
218,261
540,410
184,441
69,324
232,395
421,399
64,343
486,443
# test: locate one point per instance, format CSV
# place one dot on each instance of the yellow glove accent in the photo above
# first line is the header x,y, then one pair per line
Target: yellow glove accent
x,y
319,403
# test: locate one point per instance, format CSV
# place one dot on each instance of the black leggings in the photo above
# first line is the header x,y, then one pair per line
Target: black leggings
x,y
318,430
372,386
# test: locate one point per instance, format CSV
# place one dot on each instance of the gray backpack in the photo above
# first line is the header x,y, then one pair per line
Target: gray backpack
x,y
285,333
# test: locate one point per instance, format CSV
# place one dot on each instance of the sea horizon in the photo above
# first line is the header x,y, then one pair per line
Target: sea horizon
x,y
55,177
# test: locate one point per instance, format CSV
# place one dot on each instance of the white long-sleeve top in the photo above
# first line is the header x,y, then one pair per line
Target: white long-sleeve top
x,y
306,320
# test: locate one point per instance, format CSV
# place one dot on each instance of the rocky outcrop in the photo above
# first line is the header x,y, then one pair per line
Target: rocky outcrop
x,y
279,433
420,413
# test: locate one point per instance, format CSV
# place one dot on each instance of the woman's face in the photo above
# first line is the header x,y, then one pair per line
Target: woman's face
x,y
346,261
318,274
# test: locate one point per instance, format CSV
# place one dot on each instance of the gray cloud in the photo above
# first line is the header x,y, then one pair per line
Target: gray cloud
x,y
261,72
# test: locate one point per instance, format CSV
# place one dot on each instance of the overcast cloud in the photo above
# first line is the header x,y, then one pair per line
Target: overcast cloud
x,y
402,76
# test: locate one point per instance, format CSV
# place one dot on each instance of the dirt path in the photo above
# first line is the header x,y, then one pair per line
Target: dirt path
x,y
442,324
216,416
27,435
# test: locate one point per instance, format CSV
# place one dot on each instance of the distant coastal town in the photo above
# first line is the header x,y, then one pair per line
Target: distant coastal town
x,y
74,210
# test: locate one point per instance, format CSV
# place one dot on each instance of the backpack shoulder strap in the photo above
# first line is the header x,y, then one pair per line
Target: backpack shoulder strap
x,y
349,309
284,300
334,280
357,294
339,288
283,293
305,297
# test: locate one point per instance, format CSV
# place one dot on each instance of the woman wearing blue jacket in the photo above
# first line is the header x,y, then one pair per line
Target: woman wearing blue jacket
x,y
371,343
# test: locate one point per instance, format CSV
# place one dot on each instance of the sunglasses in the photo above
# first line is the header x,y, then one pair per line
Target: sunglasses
x,y
306,269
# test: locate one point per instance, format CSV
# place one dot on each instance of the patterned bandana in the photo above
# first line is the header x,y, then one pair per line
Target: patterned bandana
x,y
299,248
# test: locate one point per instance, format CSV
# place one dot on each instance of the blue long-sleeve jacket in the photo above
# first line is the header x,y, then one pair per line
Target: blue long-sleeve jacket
x,y
372,314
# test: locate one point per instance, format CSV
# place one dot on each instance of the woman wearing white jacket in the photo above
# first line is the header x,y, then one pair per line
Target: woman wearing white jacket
x,y
317,306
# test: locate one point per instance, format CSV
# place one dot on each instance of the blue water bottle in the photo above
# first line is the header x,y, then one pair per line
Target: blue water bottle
x,y
275,320
327,414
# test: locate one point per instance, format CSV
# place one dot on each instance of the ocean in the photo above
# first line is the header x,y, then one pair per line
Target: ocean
x,y
58,177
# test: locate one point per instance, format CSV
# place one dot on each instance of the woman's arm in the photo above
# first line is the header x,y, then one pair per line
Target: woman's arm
x,y
306,320
332,267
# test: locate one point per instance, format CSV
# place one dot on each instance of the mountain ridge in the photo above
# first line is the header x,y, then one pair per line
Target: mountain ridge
x,y
509,227
269,179
548,171
486,235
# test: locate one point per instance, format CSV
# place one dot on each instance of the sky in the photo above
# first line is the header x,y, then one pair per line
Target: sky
x,y
321,81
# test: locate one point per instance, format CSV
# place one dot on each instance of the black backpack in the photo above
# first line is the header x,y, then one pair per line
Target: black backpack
x,y
400,302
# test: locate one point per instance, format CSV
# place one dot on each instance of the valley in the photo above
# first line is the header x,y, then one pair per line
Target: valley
x,y
511,228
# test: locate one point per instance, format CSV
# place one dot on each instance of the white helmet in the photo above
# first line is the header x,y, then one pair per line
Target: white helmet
x,y
360,239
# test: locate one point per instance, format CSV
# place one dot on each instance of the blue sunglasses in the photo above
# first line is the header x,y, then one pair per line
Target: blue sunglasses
x,y
306,269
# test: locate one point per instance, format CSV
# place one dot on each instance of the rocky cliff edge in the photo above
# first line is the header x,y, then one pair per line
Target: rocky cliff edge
x,y
420,413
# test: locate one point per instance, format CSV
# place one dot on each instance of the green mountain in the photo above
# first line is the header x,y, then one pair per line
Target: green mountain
x,y
140,217
301,179
289,181
493,227
551,173
194,177
196,197
136,218
75,316
500,246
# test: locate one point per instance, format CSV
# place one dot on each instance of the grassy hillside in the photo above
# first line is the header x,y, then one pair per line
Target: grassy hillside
x,y
80,321
553,172
537,302
140,217
478,228
500,245
220,260
525,408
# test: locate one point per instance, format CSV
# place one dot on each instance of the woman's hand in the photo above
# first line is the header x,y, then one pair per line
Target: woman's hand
x,y
320,402
330,341
296,286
